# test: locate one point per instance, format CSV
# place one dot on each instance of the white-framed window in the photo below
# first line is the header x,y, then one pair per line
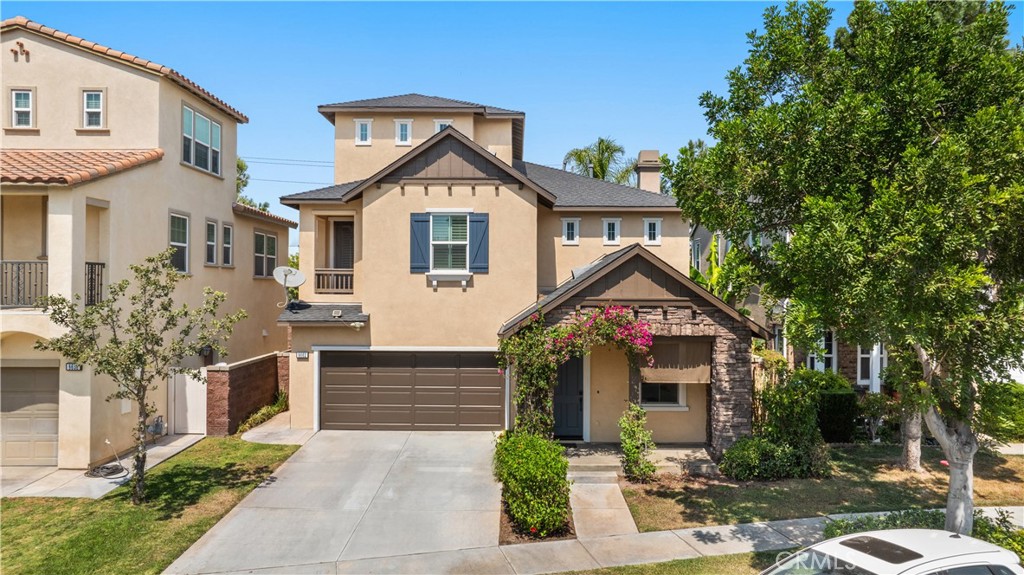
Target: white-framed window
x,y
827,362
871,362
570,231
227,244
663,395
611,228
403,132
779,336
21,109
92,109
178,239
695,254
265,253
364,132
211,243
200,141
441,124
652,231
449,242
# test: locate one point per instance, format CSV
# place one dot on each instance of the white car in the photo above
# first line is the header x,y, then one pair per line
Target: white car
x,y
901,552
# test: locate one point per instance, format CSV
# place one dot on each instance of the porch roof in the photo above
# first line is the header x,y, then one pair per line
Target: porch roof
x,y
69,167
330,313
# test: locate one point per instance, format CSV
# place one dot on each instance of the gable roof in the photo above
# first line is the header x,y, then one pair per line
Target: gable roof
x,y
602,267
246,210
69,167
416,102
124,58
576,191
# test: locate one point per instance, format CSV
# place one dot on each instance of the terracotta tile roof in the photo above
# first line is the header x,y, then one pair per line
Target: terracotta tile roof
x,y
69,167
170,73
262,215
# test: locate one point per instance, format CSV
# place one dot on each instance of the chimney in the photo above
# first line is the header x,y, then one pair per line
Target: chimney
x,y
648,171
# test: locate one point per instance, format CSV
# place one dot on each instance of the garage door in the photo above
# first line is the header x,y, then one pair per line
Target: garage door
x,y
406,391
28,415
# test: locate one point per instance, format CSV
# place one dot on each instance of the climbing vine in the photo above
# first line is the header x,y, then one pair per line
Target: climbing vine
x,y
534,353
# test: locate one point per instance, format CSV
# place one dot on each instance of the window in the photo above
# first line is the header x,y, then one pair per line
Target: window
x,y
403,132
266,254
92,109
179,241
449,242
611,231
652,231
211,243
779,337
441,125
364,132
827,360
570,231
871,362
21,108
662,394
227,243
695,254
200,141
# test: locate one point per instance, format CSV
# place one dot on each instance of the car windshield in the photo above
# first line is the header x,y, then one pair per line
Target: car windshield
x,y
813,562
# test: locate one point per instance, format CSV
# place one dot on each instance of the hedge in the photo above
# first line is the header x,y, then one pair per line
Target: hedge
x,y
532,471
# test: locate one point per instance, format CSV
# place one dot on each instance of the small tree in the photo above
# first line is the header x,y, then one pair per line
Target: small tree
x,y
143,344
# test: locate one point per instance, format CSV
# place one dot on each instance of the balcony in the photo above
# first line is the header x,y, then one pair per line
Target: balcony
x,y
332,280
25,283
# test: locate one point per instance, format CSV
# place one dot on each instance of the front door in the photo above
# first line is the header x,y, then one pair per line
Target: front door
x,y
569,400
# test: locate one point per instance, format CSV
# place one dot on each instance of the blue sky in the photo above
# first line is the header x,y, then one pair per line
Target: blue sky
x,y
579,70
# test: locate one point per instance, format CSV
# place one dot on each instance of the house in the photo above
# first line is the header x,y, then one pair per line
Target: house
x,y
439,239
108,158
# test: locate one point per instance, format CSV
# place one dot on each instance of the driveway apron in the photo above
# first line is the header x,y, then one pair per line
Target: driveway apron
x,y
349,495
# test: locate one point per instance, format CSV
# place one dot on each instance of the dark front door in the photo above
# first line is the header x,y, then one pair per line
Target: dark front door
x,y
344,246
569,400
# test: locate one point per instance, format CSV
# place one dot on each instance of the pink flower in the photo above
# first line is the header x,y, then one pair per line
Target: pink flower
x,y
944,462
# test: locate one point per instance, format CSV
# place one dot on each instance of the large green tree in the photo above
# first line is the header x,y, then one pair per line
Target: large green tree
x,y
602,160
884,166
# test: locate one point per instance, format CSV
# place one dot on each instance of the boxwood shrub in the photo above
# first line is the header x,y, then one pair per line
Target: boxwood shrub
x,y
837,415
753,458
532,471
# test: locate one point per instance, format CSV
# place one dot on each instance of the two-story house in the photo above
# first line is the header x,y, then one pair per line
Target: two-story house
x,y
106,159
439,239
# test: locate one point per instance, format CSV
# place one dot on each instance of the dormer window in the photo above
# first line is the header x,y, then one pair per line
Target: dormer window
x,y
403,132
364,132
441,125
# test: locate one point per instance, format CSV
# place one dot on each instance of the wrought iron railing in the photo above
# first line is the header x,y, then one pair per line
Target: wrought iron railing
x,y
94,282
22,283
330,280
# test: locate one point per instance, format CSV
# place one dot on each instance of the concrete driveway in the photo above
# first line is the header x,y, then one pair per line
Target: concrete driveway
x,y
350,495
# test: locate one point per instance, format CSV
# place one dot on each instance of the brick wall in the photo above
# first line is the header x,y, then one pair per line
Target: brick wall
x,y
235,391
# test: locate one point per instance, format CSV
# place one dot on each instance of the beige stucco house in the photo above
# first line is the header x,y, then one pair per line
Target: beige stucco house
x,y
439,239
108,158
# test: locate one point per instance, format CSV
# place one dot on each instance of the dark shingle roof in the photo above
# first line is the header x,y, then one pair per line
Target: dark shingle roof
x,y
420,101
302,312
576,191
328,193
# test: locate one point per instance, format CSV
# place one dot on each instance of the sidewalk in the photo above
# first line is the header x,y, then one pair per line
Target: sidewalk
x,y
278,430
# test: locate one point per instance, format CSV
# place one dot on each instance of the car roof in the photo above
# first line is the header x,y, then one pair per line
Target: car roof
x,y
937,549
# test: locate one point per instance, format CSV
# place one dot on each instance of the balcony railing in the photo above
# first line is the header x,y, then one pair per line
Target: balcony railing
x,y
94,282
22,283
329,280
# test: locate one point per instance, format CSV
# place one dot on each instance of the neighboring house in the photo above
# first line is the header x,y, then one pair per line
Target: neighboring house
x,y
106,159
439,239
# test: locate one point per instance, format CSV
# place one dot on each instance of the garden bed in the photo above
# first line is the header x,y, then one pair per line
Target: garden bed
x,y
507,534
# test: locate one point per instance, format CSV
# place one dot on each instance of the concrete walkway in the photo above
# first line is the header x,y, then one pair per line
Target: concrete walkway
x,y
598,508
53,482
692,459
278,430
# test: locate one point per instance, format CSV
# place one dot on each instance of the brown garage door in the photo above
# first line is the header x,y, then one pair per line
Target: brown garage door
x,y
28,415
404,391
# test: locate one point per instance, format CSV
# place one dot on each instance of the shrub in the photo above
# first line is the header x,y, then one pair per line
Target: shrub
x,y
791,419
265,413
757,458
532,471
637,444
875,407
837,415
820,380
1003,418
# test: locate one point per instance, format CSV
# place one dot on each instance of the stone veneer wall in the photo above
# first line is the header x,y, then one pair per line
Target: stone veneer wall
x,y
235,391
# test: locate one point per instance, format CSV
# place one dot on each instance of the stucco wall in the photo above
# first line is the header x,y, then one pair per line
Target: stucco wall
x,y
301,374
23,218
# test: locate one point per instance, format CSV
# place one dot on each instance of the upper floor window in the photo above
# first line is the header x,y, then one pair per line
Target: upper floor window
x,y
21,109
211,243
403,132
611,231
364,132
179,241
449,242
441,124
227,245
200,138
695,254
92,109
570,231
652,231
266,254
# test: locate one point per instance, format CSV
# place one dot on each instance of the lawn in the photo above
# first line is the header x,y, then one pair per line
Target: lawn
x,y
187,494
865,479
741,564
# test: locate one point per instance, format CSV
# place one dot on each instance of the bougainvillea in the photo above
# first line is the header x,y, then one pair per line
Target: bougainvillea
x,y
535,352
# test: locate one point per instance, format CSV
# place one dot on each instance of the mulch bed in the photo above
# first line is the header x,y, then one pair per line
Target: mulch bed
x,y
507,534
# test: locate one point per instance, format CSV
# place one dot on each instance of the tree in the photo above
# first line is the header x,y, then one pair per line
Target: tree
x,y
727,279
885,168
142,344
602,160
241,181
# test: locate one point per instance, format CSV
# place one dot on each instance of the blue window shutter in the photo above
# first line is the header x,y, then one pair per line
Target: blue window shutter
x,y
419,244
478,240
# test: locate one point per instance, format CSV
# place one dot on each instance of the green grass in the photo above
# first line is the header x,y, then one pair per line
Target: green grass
x,y
740,564
866,479
187,494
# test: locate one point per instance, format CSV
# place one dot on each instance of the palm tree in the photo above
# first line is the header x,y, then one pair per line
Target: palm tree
x,y
601,160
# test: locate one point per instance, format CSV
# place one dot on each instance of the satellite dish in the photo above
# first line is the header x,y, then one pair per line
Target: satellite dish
x,y
289,277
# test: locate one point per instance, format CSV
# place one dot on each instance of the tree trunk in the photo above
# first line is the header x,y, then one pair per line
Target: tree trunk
x,y
139,471
910,430
959,444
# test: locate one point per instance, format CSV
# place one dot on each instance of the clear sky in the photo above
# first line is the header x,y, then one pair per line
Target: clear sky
x,y
579,70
